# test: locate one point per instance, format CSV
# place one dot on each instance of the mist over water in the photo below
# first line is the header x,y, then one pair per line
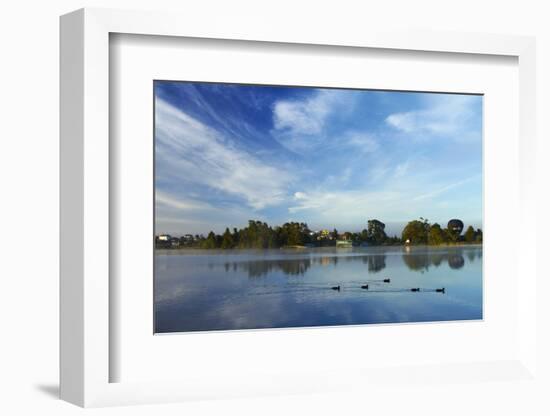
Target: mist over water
x,y
200,290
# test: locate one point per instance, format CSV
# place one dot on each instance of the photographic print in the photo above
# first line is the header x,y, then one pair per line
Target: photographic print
x,y
290,206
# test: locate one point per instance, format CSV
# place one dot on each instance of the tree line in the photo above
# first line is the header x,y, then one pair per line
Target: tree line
x,y
260,235
422,232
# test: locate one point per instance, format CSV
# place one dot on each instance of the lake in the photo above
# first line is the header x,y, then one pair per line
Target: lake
x,y
205,290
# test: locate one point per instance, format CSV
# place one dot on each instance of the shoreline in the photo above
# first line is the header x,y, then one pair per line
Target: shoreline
x,y
303,248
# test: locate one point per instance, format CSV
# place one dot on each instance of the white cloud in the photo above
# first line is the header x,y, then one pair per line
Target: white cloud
x,y
402,169
445,188
396,203
445,115
356,204
300,124
363,142
303,117
187,151
170,201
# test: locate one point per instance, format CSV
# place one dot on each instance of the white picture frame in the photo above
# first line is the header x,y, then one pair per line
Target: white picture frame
x,y
85,208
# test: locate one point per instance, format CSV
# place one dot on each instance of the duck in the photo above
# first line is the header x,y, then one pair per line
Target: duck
x,y
386,280
365,287
415,289
336,288
442,290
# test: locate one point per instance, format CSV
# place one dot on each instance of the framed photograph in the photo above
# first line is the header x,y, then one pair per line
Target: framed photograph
x,y
262,194
282,212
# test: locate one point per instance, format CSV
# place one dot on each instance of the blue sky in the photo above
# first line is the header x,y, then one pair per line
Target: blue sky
x,y
225,154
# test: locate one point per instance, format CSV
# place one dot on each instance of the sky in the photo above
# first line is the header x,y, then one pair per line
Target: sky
x,y
333,158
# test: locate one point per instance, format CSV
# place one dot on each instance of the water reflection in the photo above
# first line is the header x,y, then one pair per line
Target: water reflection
x,y
375,263
198,290
417,259
421,260
299,266
456,261
260,268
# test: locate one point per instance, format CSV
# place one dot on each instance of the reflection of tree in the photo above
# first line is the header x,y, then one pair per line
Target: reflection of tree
x,y
375,262
325,261
437,259
456,261
417,262
260,268
421,261
299,266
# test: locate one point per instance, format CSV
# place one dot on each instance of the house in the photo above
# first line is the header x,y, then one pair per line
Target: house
x,y
163,241
344,243
323,235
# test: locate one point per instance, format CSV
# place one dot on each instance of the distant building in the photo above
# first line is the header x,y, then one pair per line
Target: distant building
x,y
165,241
344,243
324,235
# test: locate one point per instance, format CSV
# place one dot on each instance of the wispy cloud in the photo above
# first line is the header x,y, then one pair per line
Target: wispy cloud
x,y
189,151
303,117
162,198
301,124
393,203
444,115
344,207
359,141
444,188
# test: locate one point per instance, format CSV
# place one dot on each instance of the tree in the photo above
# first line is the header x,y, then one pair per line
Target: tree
x,y
416,231
375,232
436,235
470,235
210,241
292,234
479,236
227,240
235,236
454,229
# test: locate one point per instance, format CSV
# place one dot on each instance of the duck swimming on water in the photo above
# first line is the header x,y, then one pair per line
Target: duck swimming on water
x,y
336,288
365,287
442,290
415,289
386,280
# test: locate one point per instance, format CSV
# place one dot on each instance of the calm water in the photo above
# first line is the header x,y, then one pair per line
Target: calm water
x,y
199,290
